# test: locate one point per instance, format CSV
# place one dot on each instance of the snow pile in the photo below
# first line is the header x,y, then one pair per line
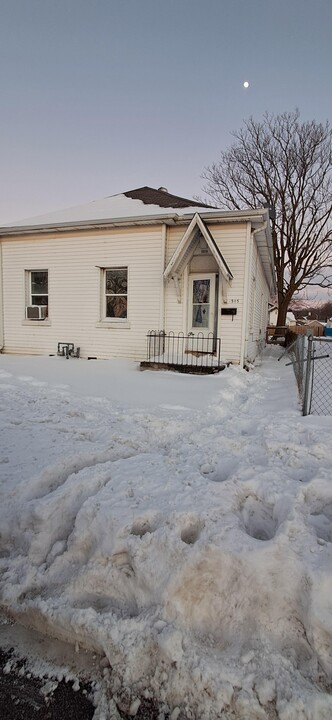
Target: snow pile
x,y
179,525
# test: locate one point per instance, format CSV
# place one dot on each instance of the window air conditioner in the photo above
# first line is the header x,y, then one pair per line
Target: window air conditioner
x,y
36,312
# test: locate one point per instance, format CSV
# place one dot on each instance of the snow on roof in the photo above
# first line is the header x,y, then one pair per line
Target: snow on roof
x,y
141,202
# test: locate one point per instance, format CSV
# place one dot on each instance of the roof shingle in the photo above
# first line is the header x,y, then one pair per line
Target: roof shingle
x,y
151,196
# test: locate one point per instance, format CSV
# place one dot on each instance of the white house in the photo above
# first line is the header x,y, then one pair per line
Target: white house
x,y
103,275
273,316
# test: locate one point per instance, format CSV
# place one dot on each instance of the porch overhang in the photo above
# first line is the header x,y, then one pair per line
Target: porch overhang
x,y
186,248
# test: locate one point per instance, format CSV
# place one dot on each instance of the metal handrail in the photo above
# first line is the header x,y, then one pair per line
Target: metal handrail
x,y
194,350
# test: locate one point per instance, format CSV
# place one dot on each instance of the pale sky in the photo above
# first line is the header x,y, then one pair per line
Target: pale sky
x,y
103,96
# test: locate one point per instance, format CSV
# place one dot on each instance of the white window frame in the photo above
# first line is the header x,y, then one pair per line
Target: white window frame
x,y
105,295
28,288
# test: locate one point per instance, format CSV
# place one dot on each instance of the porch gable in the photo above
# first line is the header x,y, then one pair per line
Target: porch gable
x,y
187,246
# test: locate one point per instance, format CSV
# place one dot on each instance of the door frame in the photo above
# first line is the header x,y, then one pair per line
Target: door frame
x,y
213,315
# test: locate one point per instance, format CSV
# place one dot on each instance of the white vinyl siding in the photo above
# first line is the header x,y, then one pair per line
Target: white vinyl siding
x,y
174,237
74,262
232,241
175,311
258,304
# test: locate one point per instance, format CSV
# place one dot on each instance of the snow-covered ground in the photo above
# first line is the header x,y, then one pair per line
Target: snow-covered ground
x,y
179,525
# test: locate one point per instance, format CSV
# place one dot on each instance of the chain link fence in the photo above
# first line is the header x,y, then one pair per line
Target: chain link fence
x,y
311,358
321,393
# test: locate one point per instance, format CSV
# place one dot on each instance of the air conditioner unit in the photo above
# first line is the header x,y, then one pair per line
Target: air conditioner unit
x,y
36,312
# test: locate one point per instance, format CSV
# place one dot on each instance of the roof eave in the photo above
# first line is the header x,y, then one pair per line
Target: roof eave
x,y
168,218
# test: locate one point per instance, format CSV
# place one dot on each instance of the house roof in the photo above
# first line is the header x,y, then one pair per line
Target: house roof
x,y
138,204
162,198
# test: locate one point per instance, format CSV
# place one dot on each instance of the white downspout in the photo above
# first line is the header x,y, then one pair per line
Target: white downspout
x,y
162,288
2,339
250,241
247,265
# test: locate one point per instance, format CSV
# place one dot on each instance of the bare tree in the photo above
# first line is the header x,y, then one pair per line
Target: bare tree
x,y
285,164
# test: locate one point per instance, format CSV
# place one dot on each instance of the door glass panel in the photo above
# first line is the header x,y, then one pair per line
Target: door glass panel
x,y
201,316
201,304
201,291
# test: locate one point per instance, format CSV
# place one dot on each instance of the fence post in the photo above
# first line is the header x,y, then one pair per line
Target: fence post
x,y
308,377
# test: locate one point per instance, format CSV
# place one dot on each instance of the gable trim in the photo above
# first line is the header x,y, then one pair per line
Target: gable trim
x,y
183,247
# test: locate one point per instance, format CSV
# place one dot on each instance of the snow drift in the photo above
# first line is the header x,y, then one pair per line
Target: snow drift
x,y
180,526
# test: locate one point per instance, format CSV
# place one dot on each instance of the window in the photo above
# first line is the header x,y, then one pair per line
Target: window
x,y
36,295
116,293
38,287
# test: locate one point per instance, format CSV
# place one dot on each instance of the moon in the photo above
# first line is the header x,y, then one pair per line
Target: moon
x,y
246,84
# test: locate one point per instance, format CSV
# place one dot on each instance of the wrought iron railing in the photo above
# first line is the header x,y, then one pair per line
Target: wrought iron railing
x,y
190,351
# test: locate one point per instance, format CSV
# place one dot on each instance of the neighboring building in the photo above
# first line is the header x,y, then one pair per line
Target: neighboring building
x,y
104,274
290,319
273,316
315,326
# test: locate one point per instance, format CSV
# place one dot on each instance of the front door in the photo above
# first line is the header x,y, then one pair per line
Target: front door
x,y
201,311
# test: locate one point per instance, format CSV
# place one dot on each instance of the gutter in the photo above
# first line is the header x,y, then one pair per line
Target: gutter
x,y
168,218
85,225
